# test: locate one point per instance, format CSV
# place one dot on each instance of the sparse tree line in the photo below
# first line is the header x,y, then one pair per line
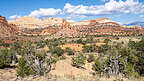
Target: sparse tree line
x,y
112,60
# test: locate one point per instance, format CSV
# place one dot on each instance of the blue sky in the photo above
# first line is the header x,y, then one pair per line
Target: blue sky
x,y
123,11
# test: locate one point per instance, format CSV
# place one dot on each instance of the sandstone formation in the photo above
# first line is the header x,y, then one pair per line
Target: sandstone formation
x,y
32,23
88,22
7,30
104,26
62,28
66,31
65,24
52,21
48,31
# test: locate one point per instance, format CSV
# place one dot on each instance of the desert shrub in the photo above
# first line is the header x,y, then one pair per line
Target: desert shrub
x,y
103,48
139,67
97,40
80,41
63,57
79,60
89,39
97,66
117,38
35,61
40,44
6,57
69,51
130,71
91,58
23,68
89,48
118,60
139,47
5,44
131,44
57,50
107,41
54,42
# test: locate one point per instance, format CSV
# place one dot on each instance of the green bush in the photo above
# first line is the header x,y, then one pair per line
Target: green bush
x,y
123,58
57,50
69,51
89,39
97,66
91,58
107,40
23,68
5,44
63,57
6,57
79,60
89,48
80,41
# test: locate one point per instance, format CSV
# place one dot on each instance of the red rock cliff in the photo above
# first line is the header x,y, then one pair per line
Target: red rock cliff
x,y
7,30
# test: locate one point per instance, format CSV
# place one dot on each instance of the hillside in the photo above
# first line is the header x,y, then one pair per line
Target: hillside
x,y
58,27
7,30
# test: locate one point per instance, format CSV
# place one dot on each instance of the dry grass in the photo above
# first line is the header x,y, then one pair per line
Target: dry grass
x,y
76,47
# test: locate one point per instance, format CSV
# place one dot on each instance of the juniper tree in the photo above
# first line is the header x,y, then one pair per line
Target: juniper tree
x,y
36,60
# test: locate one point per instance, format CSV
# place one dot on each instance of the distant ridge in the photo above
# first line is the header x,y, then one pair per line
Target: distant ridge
x,y
135,23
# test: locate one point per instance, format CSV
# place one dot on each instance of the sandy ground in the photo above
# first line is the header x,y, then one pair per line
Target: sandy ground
x,y
64,68
7,74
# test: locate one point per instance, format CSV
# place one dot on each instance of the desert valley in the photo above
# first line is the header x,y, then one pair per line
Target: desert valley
x,y
56,49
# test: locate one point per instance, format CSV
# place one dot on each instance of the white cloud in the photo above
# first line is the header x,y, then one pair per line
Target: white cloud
x,y
111,7
45,12
14,17
81,11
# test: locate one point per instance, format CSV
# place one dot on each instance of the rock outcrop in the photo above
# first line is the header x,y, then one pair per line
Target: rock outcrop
x,y
48,31
104,26
33,23
7,30
52,21
65,24
62,28
66,31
